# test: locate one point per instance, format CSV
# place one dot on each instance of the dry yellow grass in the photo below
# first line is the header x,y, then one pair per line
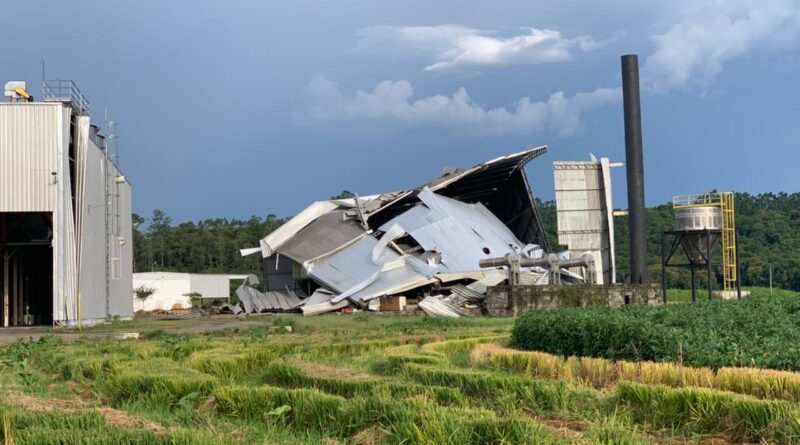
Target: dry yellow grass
x,y
764,383
112,416
669,374
603,373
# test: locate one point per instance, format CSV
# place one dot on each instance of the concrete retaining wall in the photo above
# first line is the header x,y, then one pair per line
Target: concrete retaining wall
x,y
503,301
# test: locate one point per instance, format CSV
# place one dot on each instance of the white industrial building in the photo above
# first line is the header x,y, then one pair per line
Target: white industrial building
x,y
65,213
172,289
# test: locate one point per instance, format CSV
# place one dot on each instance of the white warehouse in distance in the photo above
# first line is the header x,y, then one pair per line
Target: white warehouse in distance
x,y
172,289
65,213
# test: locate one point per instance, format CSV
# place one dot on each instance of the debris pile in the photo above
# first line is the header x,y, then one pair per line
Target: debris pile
x,y
252,300
424,244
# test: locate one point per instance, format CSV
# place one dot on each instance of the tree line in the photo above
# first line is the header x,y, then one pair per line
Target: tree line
x,y
767,225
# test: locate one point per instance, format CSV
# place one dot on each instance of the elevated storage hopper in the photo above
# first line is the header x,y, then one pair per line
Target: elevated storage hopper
x,y
703,225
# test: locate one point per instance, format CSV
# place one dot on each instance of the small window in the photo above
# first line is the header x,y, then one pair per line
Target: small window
x,y
486,250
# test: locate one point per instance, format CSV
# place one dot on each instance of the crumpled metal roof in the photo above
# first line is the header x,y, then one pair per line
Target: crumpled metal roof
x,y
500,184
462,233
349,266
395,277
324,235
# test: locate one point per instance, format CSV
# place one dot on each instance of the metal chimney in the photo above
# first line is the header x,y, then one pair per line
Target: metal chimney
x,y
634,168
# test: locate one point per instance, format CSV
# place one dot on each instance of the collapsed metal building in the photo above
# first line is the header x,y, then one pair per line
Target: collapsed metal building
x,y
425,244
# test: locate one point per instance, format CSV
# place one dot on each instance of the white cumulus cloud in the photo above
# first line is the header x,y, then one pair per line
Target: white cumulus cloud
x,y
393,103
693,51
451,46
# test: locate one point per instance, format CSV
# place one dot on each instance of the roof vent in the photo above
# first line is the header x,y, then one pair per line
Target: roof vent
x,y
15,91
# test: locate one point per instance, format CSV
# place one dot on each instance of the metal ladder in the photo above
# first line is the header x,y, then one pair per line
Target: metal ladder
x,y
729,267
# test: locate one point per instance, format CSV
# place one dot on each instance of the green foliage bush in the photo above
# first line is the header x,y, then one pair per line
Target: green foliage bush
x,y
761,332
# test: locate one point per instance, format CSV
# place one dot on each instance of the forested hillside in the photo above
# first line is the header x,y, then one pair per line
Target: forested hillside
x,y
211,245
767,223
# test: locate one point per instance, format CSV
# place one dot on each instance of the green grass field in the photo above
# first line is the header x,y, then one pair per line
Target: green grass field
x,y
685,295
361,379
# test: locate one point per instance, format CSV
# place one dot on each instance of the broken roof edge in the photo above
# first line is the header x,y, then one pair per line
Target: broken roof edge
x,y
270,243
525,157
290,228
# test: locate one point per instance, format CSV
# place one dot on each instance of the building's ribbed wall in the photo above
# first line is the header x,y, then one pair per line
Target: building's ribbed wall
x,y
29,141
92,217
65,239
94,170
122,283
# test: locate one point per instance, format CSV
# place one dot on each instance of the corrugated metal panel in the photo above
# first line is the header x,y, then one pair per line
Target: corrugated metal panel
x,y
326,234
30,135
319,303
69,237
91,224
609,201
394,279
64,295
288,229
584,215
350,266
121,285
463,233
94,170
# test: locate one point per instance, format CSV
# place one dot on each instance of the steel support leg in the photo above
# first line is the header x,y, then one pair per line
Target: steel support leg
x,y
738,271
664,267
708,262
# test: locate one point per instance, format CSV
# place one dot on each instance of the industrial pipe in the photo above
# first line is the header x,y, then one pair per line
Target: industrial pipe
x,y
550,261
634,168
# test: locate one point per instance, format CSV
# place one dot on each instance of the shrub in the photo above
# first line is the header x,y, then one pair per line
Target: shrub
x,y
761,332
142,293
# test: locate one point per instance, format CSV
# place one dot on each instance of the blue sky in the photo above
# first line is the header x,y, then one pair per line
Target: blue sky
x,y
229,109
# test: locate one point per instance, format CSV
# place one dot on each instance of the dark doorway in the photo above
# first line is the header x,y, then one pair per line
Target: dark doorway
x,y
26,268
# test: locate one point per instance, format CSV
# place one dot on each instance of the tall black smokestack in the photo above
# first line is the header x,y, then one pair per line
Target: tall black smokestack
x,y
634,168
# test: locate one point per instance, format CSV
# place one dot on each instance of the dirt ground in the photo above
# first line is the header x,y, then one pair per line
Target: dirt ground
x,y
140,325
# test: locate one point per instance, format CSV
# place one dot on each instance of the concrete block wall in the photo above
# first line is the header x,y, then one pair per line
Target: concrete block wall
x,y
503,301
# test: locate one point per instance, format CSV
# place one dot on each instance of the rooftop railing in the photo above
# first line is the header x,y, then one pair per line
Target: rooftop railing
x,y
707,199
65,91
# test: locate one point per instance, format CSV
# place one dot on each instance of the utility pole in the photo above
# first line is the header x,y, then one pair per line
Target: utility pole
x,y
770,279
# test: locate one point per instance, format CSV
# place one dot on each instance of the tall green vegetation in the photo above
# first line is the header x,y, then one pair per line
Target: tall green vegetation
x,y
759,332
